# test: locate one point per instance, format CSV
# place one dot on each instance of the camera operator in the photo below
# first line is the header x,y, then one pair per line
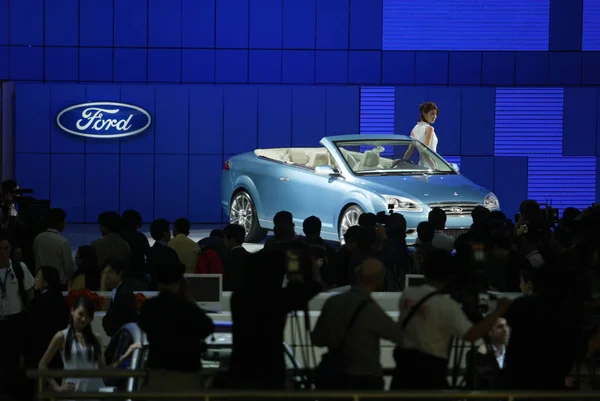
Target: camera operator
x,y
429,320
259,310
8,201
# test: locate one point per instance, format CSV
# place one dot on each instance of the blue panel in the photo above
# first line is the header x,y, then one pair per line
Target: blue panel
x,y
529,122
206,120
510,183
164,23
3,63
164,65
102,93
365,67
205,172
454,159
240,116
171,119
480,170
298,67
26,63
333,19
130,65
591,25
3,23
598,130
447,126
465,25
198,23
137,185
198,66
431,68
26,22
565,181
498,68
299,24
171,186
565,25
366,24
265,66
131,23
331,67
274,117
232,24
266,27
531,68
62,64
398,68
67,185
308,115
96,64
465,68
96,23
34,170
32,135
579,139
231,66
62,23
565,68
61,97
477,127
101,185
377,110
142,96
342,111
591,66
406,108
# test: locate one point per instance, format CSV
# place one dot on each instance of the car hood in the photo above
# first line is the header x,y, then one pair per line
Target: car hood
x,y
425,188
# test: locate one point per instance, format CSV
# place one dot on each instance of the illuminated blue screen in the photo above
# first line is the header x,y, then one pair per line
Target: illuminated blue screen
x,y
466,25
591,25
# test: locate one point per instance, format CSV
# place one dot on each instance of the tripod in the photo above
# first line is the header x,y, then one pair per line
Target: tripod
x,y
301,339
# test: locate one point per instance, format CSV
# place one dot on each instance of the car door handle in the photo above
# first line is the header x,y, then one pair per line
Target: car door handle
x,y
283,179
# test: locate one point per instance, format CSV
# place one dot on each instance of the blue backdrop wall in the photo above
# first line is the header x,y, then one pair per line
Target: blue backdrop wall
x,y
516,81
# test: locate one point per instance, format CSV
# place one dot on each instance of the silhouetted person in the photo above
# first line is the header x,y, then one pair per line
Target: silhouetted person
x,y
131,222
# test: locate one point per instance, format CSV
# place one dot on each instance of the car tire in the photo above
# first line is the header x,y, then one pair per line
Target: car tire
x,y
245,215
348,218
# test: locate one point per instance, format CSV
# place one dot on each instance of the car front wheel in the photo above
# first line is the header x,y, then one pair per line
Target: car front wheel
x,y
243,212
349,218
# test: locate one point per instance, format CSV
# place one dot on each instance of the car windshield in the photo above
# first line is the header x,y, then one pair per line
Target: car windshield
x,y
403,157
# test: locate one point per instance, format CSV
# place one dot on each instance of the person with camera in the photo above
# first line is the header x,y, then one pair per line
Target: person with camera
x,y
429,320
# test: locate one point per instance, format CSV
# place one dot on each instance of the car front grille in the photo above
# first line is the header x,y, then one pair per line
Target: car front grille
x,y
456,232
456,209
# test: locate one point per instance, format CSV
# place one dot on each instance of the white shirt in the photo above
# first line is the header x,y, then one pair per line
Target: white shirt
x,y
500,357
438,320
441,241
418,132
535,259
11,303
52,249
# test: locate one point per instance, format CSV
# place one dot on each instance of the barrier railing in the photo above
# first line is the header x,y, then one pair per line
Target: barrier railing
x,y
42,375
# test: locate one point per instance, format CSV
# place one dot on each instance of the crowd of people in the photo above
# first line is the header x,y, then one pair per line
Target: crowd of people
x,y
531,342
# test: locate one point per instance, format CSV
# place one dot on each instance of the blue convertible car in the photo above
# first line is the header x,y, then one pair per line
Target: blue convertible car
x,y
345,177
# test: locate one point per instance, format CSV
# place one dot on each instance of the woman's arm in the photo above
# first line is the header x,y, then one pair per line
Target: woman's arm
x,y
122,359
428,141
410,149
56,345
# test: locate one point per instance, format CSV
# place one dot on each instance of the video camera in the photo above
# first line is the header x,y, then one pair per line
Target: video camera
x,y
548,215
299,263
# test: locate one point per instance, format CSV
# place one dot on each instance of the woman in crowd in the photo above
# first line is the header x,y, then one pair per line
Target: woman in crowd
x,y
88,273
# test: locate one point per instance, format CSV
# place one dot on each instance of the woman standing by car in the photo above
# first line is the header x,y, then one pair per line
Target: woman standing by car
x,y
424,133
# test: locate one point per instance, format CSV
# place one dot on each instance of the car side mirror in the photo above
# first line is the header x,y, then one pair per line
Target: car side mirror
x,y
454,167
326,171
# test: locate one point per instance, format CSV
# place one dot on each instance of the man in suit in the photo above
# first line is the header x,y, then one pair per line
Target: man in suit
x,y
237,257
485,365
123,306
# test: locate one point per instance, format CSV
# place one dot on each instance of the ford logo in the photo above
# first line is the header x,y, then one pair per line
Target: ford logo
x,y
103,120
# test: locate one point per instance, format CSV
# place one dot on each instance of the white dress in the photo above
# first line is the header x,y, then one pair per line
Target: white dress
x,y
418,132
80,360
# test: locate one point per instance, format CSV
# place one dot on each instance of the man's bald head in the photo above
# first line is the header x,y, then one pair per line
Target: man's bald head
x,y
370,273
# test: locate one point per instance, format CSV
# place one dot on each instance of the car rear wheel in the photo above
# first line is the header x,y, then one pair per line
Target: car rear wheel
x,y
243,212
348,219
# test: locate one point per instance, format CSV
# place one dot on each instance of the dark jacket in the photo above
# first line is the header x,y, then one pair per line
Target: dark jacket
x,y
122,309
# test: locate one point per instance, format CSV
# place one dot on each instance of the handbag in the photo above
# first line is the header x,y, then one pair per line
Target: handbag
x,y
330,372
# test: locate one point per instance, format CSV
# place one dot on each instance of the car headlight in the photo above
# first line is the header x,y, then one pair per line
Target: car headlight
x,y
401,204
491,202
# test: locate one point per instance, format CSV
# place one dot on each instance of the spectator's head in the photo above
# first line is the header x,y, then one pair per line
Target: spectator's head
x,y
367,220
438,267
55,219
131,220
312,226
396,226
5,248
437,218
47,278
425,232
160,230
370,274
85,254
351,236
115,272
234,235
110,222
283,226
216,234
500,332
9,190
529,211
168,272
182,226
569,216
366,238
481,217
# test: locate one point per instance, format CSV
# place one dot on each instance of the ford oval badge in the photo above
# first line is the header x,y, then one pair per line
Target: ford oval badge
x,y
103,120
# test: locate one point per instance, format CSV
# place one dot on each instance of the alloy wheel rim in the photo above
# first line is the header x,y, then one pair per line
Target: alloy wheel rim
x,y
241,212
349,219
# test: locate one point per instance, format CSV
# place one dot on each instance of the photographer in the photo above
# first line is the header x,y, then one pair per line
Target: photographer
x,y
259,310
429,320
